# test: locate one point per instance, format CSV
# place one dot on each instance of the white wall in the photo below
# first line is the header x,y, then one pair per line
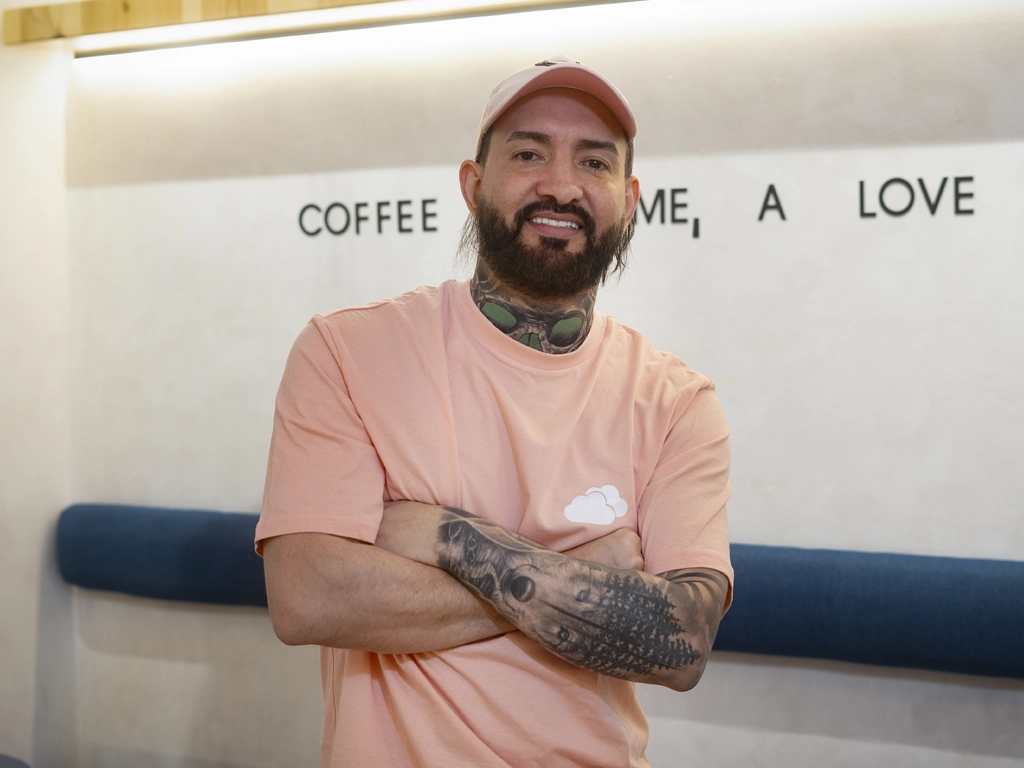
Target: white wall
x,y
828,335
36,673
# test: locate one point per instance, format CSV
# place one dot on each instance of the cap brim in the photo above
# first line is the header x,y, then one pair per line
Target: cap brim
x,y
560,76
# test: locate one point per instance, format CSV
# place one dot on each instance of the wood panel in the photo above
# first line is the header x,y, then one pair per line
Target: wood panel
x,y
46,22
86,17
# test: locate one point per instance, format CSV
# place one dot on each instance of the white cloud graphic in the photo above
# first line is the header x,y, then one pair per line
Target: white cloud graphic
x,y
599,505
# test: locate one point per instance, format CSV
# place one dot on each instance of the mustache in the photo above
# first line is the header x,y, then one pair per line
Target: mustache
x,y
530,210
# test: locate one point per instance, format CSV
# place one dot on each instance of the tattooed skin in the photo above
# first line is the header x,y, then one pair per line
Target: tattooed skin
x,y
617,622
553,328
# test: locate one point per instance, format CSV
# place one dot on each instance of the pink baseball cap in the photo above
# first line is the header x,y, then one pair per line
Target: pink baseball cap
x,y
556,72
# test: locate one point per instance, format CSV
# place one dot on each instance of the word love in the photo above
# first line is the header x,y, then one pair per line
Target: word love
x,y
402,216
896,196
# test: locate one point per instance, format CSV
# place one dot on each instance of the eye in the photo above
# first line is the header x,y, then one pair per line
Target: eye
x,y
597,164
527,155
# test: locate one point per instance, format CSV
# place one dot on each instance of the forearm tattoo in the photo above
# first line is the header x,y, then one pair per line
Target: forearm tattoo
x,y
546,327
613,621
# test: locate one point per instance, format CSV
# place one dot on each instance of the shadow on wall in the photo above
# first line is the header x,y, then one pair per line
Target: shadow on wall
x,y
54,717
94,755
960,714
161,682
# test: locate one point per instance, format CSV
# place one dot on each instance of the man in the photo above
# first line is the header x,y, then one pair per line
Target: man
x,y
506,507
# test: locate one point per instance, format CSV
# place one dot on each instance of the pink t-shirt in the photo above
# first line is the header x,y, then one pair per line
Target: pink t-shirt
x,y
419,397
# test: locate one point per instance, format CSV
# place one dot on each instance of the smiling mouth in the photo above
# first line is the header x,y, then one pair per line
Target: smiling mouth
x,y
554,222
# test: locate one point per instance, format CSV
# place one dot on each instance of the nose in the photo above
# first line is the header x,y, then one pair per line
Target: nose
x,y
560,181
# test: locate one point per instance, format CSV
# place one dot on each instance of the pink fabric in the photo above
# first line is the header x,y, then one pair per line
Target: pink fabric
x,y
419,397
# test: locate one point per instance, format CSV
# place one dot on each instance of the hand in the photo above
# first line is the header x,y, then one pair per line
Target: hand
x,y
618,549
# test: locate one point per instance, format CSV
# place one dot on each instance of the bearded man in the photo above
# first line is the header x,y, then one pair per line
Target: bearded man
x,y
494,508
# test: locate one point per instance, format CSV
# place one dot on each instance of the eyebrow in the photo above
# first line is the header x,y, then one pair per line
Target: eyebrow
x,y
545,139
540,138
593,144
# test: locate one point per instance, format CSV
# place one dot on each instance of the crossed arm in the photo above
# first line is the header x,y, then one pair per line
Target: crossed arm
x,y
440,577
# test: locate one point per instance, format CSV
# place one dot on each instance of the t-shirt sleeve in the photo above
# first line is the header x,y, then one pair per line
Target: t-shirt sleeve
x,y
683,520
323,474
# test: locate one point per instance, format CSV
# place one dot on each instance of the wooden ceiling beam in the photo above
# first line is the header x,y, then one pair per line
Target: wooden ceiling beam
x,y
86,17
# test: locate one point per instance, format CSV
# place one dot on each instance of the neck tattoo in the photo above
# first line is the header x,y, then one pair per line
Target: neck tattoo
x,y
553,327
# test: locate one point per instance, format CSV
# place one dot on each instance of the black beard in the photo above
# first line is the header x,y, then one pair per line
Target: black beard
x,y
547,272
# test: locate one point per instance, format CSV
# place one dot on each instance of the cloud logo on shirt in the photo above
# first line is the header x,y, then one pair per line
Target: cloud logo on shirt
x,y
600,506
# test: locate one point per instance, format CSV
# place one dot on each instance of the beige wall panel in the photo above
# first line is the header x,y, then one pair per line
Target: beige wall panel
x,y
369,99
36,673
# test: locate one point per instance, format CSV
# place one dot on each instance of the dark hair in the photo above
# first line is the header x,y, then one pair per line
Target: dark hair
x,y
485,146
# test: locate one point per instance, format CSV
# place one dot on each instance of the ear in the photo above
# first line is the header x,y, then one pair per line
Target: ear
x,y
470,175
632,197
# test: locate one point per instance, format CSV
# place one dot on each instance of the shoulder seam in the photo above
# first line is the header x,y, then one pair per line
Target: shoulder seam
x,y
423,290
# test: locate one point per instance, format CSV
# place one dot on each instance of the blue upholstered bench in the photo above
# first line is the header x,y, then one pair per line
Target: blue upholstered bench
x,y
939,613
173,554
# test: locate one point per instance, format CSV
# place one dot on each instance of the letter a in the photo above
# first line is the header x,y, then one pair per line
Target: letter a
x,y
771,203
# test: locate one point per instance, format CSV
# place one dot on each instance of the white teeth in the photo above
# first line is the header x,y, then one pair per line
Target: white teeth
x,y
554,223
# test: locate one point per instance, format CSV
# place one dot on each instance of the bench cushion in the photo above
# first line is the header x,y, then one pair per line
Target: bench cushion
x,y
193,555
939,613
